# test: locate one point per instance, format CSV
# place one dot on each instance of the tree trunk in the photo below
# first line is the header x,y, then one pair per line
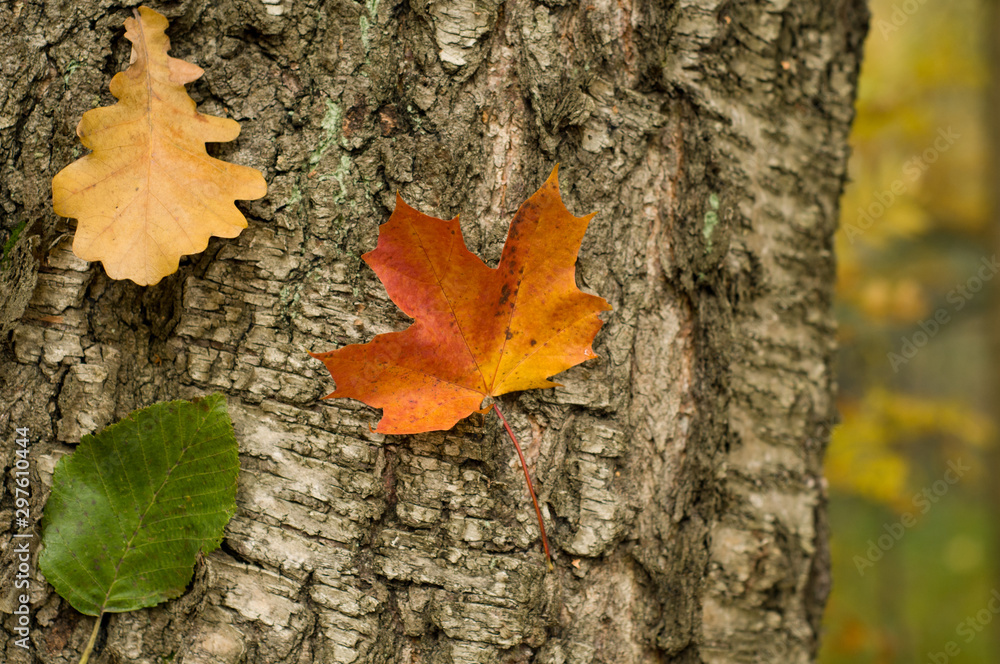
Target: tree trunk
x,y
680,472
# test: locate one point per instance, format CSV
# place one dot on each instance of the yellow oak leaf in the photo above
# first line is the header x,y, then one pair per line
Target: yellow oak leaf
x,y
148,193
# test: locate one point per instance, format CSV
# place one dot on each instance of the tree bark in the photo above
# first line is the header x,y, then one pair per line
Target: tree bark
x,y
680,472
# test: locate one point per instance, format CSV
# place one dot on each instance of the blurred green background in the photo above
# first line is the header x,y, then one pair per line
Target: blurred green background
x,y
913,467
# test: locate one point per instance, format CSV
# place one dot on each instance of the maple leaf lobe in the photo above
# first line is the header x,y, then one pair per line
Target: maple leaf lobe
x,y
478,331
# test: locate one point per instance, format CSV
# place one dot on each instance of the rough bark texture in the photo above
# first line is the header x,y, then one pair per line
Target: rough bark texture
x,y
680,472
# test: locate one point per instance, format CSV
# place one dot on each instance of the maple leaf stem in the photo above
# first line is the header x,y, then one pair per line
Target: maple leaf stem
x,y
527,478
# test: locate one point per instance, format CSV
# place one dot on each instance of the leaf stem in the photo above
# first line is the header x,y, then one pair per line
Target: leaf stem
x,y
527,478
93,639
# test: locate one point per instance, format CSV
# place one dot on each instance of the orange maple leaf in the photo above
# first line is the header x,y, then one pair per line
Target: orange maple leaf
x,y
478,331
149,193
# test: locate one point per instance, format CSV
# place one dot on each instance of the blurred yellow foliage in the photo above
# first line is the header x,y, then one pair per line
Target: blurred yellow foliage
x,y
866,455
919,153
915,224
901,300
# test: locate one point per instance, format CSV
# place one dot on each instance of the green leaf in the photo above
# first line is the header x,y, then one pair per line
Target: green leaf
x,y
131,508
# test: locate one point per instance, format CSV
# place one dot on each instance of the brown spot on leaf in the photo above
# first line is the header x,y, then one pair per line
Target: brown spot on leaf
x,y
505,292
